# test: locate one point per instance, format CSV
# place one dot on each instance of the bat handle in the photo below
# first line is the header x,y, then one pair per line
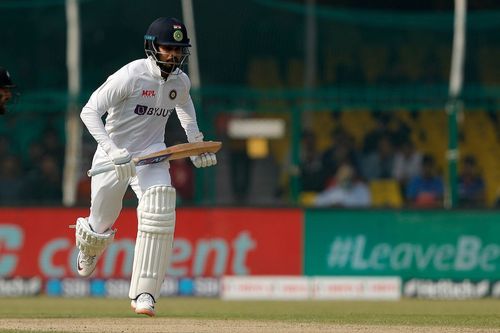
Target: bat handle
x,y
100,169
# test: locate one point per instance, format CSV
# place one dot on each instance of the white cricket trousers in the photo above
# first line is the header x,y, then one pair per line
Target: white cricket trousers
x,y
107,192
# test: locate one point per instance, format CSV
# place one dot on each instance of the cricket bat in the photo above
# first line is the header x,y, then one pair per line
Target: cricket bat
x,y
175,152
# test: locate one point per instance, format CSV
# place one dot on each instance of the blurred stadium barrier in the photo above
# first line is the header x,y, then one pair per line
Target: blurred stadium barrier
x,y
235,253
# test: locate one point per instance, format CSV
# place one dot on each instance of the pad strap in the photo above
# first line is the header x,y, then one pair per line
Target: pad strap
x,y
89,242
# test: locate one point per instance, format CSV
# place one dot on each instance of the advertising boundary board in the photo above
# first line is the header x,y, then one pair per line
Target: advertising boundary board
x,y
455,245
421,245
37,242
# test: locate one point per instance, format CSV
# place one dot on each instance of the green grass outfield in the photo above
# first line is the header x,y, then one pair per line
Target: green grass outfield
x,y
473,314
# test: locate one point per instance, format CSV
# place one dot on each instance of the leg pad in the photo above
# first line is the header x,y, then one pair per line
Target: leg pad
x,y
89,242
155,235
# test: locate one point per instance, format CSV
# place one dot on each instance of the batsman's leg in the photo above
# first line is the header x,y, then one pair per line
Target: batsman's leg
x,y
156,219
91,246
94,234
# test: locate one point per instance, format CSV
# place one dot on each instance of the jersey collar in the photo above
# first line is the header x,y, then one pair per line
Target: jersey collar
x,y
153,68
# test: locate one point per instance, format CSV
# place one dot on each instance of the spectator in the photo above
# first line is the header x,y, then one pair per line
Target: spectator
x,y
471,188
52,145
399,131
385,126
342,151
407,164
11,191
6,87
347,190
373,136
311,171
426,190
34,155
380,163
45,182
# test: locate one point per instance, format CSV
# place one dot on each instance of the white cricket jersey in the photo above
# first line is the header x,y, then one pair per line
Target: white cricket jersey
x,y
138,102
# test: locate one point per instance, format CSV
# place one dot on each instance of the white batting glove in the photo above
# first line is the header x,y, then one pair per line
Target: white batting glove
x,y
204,160
124,166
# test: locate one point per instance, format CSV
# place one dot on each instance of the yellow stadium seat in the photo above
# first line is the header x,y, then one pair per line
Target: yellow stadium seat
x,y
358,122
386,193
307,199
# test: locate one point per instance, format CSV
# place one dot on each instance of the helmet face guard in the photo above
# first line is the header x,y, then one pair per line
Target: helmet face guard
x,y
167,32
168,67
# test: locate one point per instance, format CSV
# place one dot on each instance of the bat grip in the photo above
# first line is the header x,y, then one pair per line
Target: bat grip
x,y
100,169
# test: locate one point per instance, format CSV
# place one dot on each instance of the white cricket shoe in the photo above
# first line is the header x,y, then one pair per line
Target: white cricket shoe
x,y
144,304
85,264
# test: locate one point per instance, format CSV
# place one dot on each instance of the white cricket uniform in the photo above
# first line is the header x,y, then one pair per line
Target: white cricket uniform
x,y
138,101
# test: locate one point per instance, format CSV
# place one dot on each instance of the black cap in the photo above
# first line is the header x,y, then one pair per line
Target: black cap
x,y
5,79
168,31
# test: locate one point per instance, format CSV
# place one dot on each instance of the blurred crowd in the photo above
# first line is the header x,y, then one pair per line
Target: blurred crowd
x,y
387,171
32,176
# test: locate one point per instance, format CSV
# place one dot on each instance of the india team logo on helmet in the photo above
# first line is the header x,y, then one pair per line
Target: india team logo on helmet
x,y
178,35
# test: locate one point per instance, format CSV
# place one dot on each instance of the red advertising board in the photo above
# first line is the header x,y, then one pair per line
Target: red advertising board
x,y
208,242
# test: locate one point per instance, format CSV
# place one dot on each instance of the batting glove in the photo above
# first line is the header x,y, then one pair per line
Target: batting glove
x,y
204,160
124,166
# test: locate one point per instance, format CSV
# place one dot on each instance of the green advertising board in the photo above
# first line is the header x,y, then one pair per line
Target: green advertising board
x,y
411,244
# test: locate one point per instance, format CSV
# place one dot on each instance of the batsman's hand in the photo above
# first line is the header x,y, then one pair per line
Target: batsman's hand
x,y
204,160
124,166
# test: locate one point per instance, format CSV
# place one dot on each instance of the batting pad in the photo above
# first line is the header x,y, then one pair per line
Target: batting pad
x,y
155,235
89,242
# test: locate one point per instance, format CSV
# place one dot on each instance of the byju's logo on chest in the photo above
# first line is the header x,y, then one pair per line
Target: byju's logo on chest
x,y
144,110
141,109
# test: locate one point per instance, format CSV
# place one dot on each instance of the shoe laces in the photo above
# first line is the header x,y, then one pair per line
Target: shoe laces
x,y
145,298
87,260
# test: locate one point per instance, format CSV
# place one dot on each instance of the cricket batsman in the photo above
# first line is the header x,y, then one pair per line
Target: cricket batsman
x,y
6,86
138,99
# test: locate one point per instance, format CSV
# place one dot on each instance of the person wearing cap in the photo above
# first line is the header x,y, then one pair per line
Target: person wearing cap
x,y
6,86
138,100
